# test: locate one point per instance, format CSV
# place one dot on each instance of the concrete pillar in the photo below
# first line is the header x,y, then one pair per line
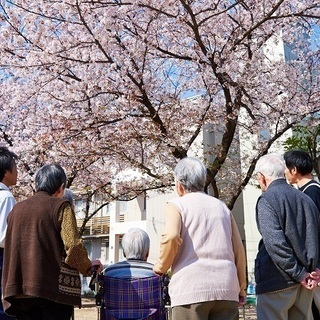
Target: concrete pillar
x,y
113,237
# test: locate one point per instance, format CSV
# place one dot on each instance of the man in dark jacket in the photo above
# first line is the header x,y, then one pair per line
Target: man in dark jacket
x,y
289,224
299,171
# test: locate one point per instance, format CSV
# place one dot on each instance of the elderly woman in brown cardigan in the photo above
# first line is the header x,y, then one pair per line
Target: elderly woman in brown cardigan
x,y
43,253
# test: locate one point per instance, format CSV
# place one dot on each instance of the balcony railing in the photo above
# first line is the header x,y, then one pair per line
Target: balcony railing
x,y
97,225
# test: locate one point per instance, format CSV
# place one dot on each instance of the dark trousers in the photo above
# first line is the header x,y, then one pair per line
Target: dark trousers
x,y
40,309
3,316
315,312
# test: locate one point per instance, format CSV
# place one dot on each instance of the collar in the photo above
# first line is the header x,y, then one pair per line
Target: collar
x,y
138,260
3,186
277,182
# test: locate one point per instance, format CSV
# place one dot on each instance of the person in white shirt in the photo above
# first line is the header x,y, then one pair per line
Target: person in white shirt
x,y
8,177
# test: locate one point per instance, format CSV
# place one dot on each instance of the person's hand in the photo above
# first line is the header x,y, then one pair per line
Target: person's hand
x,y
315,276
96,265
308,282
157,271
242,300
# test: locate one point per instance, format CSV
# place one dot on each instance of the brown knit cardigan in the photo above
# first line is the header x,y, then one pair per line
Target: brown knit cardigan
x,y
34,254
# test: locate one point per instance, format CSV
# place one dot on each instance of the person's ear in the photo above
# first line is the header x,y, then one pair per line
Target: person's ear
x,y
60,192
180,189
61,189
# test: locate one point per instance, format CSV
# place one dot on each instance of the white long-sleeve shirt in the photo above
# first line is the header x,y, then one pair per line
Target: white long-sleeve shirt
x,y
7,202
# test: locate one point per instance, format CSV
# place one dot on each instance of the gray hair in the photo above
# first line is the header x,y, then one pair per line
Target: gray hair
x,y
271,165
191,173
69,195
136,244
49,178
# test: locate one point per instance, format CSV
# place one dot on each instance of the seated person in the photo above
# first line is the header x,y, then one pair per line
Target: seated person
x,y
133,290
135,245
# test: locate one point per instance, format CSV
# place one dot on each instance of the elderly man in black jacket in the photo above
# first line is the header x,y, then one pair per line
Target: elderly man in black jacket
x,y
289,249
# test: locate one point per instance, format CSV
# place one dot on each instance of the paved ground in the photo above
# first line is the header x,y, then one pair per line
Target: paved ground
x,y
90,312
248,313
86,314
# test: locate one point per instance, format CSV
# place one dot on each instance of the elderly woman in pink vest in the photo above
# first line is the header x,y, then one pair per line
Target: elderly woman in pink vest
x,y
202,245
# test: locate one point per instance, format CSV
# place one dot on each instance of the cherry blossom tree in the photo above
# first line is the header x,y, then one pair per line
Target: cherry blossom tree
x,y
103,86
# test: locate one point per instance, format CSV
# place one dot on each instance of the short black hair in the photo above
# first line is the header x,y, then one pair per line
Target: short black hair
x,y
299,159
49,178
7,161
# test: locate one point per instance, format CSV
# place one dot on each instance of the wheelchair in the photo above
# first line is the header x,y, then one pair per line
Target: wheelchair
x,y
131,298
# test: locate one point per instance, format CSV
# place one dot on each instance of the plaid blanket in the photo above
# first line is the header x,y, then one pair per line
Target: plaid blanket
x,y
134,298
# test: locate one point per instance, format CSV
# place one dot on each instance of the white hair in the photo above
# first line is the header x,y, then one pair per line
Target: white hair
x,y
136,244
191,173
271,165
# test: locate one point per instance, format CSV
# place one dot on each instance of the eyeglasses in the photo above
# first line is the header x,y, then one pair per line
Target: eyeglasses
x,y
259,173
